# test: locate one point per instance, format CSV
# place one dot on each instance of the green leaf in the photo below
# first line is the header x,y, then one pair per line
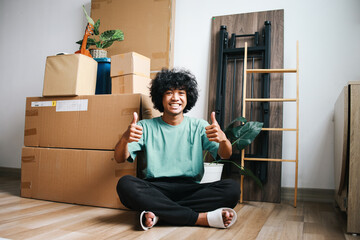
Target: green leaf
x,y
229,129
98,45
89,42
108,37
89,19
112,35
246,134
96,27
106,44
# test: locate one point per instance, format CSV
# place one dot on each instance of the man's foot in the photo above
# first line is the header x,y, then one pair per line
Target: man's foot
x,y
214,219
227,217
149,219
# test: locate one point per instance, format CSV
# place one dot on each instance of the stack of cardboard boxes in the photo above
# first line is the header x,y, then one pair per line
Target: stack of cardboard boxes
x,y
130,73
68,153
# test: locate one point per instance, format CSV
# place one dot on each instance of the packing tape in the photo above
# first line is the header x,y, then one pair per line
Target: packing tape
x,y
141,74
28,159
31,113
129,111
29,132
123,172
25,185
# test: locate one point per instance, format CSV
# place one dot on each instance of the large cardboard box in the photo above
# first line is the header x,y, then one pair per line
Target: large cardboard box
x,y
85,122
87,177
70,75
148,26
130,63
130,84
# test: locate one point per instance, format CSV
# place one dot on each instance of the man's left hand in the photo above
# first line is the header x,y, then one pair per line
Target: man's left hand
x,y
214,132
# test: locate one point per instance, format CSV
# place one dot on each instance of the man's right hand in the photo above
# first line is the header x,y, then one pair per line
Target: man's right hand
x,y
132,134
134,131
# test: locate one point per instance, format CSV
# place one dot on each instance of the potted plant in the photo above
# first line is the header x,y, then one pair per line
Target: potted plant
x,y
241,133
96,42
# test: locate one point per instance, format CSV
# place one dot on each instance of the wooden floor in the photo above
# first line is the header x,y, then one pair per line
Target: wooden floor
x,y
22,218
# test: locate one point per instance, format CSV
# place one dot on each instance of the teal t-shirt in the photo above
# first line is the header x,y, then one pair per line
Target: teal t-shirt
x,y
172,151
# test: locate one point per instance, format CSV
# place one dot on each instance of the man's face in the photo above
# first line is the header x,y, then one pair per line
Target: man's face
x,y
174,101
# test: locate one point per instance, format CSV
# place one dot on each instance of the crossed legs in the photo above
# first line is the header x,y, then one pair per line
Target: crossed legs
x,y
177,201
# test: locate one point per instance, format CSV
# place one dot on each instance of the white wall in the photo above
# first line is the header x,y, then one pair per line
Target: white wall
x,y
327,32
30,31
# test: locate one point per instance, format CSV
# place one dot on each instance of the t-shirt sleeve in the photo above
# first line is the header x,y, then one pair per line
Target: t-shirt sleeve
x,y
135,147
212,147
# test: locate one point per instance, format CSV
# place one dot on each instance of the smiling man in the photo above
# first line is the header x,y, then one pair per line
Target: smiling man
x,y
172,149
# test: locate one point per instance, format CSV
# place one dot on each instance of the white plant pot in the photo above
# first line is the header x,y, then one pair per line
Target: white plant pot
x,y
98,53
212,172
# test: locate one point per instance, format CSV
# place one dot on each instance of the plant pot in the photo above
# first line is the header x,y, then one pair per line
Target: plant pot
x,y
212,172
98,53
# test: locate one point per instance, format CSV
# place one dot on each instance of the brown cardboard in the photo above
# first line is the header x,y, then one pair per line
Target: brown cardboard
x,y
87,177
130,84
130,63
70,75
148,27
86,122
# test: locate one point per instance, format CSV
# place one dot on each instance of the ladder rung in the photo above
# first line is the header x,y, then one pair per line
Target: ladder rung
x,y
279,129
270,99
269,159
271,70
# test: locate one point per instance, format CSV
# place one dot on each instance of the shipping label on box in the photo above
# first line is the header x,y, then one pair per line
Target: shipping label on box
x,y
84,122
130,63
87,177
130,84
70,75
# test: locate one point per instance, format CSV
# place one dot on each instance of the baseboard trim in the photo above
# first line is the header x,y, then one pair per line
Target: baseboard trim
x,y
10,172
308,194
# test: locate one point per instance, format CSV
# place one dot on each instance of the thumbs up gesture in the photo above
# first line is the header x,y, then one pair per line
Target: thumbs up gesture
x,y
214,132
134,131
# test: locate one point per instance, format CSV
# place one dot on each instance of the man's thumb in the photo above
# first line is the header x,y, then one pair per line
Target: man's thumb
x,y
213,118
135,118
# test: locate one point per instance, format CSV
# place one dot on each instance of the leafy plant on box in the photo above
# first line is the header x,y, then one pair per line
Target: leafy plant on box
x,y
241,133
103,40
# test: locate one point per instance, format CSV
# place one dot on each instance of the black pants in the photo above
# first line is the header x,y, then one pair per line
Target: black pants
x,y
177,201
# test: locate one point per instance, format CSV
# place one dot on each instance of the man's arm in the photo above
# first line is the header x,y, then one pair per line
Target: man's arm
x,y
132,134
215,134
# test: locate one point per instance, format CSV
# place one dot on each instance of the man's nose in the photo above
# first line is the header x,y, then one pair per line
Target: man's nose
x,y
175,96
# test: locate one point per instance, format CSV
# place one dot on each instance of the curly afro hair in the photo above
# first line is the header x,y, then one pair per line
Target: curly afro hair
x,y
168,79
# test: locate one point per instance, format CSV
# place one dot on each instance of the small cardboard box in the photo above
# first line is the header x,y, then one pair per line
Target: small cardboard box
x,y
130,63
70,75
130,84
87,177
85,122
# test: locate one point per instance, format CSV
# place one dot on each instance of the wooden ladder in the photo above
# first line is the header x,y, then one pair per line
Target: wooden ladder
x,y
245,99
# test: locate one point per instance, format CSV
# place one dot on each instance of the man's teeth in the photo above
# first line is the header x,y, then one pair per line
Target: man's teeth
x,y
175,105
